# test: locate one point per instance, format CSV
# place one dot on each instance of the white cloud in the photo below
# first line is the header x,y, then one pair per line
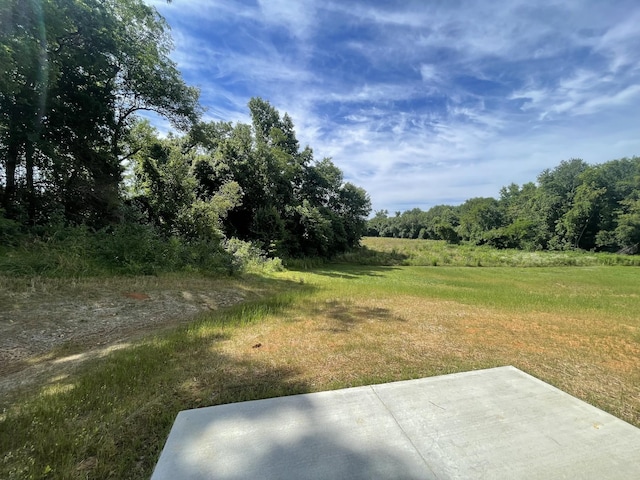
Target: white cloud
x,y
429,73
424,103
297,17
625,97
620,43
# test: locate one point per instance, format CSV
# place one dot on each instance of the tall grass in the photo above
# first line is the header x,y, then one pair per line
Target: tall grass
x,y
129,249
407,252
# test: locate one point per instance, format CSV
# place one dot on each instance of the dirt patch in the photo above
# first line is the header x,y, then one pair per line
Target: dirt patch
x,y
48,327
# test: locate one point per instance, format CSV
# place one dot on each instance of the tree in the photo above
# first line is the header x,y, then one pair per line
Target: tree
x,y
74,75
352,208
377,223
144,77
573,224
321,183
524,225
167,190
556,191
574,205
23,77
291,205
621,180
627,231
477,216
442,222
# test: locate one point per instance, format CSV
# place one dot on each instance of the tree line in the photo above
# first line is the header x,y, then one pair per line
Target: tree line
x,y
74,78
573,206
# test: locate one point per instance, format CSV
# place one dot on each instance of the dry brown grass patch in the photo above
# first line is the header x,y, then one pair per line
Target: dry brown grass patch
x,y
344,342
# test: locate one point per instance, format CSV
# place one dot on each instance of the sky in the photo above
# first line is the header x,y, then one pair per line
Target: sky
x,y
424,102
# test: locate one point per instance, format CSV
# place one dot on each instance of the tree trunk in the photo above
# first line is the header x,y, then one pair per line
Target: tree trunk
x,y
31,200
10,188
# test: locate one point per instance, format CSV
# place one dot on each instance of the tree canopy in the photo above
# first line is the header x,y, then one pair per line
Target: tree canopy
x,y
74,74
274,193
574,205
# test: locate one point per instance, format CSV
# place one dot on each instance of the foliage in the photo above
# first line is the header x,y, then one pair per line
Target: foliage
x,y
249,182
167,190
9,231
574,206
128,249
74,75
248,257
433,253
74,153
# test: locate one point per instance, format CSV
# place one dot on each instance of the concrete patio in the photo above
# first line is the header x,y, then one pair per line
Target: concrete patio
x,y
498,423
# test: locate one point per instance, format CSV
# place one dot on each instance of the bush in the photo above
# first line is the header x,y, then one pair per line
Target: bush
x,y
246,256
132,249
129,248
10,234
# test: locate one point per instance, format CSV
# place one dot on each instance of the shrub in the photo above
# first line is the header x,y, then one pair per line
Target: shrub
x,y
246,256
10,234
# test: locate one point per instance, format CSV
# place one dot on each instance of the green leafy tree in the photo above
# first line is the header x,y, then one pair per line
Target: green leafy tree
x,y
574,205
524,225
442,222
166,189
376,224
477,216
575,221
291,205
352,208
627,233
555,194
75,73
620,179
409,223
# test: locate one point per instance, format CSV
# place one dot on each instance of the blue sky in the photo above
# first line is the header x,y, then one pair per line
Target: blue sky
x,y
424,102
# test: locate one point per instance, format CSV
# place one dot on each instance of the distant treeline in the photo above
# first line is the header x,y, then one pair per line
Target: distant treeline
x,y
573,206
74,152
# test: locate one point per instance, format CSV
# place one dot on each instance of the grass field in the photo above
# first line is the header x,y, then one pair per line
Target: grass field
x,y
400,251
335,326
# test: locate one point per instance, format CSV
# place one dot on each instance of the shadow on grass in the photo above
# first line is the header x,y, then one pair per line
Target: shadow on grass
x,y
351,272
347,315
59,327
111,417
365,256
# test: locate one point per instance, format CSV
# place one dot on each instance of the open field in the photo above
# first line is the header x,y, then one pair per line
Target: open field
x,y
401,251
577,328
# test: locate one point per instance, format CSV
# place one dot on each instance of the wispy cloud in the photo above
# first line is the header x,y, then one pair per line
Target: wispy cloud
x,y
424,103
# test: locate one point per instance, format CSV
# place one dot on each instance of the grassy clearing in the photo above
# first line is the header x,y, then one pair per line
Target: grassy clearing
x,y
336,326
407,252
